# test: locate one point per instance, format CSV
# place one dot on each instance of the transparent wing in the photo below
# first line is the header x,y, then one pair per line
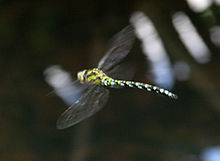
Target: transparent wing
x,y
123,71
119,47
93,99
70,92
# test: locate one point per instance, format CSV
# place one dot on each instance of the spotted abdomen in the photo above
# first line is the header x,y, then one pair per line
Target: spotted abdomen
x,y
122,83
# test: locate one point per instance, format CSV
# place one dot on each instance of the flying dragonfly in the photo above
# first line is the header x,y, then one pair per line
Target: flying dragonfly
x,y
95,82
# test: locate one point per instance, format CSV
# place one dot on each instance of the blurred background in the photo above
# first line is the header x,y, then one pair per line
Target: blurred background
x,y
44,44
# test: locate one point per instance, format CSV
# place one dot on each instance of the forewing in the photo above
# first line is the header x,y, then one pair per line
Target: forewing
x,y
93,99
123,71
119,47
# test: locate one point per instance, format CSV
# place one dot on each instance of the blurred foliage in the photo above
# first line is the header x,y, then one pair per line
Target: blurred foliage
x,y
73,34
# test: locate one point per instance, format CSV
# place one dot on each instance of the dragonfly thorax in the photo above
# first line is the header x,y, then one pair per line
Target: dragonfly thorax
x,y
92,76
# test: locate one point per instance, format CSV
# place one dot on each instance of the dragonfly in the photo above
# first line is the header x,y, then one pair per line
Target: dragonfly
x,y
95,82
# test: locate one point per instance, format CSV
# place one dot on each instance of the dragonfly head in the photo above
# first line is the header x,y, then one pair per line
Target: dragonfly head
x,y
80,75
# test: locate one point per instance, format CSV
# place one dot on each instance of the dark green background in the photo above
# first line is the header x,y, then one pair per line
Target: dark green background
x,y
133,126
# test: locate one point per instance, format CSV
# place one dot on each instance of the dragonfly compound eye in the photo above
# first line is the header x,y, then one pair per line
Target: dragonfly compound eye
x,y
80,76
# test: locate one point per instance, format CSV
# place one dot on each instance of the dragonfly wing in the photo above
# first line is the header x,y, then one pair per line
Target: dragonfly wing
x,y
123,71
93,99
118,49
70,92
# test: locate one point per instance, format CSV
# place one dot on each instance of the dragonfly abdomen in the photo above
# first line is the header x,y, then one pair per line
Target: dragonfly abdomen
x,y
148,87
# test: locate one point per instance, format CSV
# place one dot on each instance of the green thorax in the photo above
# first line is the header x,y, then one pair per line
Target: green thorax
x,y
93,76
